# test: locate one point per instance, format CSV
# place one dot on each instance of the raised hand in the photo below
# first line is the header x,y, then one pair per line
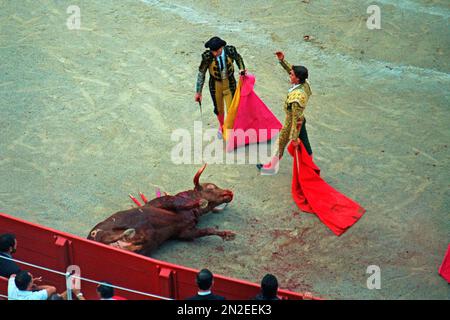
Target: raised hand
x,y
280,55
296,142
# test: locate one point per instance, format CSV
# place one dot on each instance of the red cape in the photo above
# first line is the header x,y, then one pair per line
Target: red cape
x,y
444,270
312,194
252,113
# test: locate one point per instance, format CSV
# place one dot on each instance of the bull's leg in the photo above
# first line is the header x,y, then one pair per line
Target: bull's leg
x,y
191,234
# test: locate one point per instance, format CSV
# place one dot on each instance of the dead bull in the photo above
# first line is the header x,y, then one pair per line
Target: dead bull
x,y
145,228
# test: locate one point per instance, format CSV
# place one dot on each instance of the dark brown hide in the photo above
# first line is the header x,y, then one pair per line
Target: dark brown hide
x,y
145,228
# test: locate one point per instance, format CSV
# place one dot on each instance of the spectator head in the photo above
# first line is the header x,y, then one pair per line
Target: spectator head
x,y
105,291
205,279
23,280
269,286
8,243
56,296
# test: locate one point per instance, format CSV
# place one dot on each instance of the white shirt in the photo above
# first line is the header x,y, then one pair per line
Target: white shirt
x,y
224,60
15,294
204,293
294,87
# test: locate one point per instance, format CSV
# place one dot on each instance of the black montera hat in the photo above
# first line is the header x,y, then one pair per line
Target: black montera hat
x,y
215,43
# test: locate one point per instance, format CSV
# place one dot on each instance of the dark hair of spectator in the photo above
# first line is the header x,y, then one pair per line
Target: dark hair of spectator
x,y
105,290
269,286
301,73
7,241
22,280
55,296
204,279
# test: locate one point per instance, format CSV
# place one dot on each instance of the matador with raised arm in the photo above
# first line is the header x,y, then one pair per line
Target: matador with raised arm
x,y
294,107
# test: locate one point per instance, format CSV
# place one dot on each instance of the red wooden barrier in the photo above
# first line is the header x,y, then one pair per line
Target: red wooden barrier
x,y
3,287
57,250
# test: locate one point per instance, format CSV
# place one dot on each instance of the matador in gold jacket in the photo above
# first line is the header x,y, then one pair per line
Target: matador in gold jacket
x,y
219,61
294,107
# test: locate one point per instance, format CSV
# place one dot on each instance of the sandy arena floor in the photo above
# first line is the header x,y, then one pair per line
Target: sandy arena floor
x,y
86,117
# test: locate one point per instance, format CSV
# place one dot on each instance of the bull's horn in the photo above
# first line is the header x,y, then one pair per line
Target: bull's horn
x,y
198,174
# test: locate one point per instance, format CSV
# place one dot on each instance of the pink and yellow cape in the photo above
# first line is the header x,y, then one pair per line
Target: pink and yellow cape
x,y
248,119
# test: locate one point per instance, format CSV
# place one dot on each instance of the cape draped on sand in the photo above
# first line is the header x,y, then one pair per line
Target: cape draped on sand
x,y
444,269
312,194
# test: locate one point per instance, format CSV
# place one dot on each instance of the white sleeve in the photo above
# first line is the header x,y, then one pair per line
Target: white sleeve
x,y
12,289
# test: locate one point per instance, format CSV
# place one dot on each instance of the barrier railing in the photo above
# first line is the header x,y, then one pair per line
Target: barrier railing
x,y
70,276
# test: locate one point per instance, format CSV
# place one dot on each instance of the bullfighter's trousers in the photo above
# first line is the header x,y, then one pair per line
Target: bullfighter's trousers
x,y
221,90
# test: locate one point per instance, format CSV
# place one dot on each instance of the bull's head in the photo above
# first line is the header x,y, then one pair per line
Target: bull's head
x,y
215,196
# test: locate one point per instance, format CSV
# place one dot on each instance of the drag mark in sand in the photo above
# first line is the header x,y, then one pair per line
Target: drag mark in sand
x,y
32,34
4,84
425,155
98,114
413,198
87,96
32,20
19,142
196,16
122,72
327,126
146,87
106,84
415,8
186,13
27,166
154,116
18,19
343,112
385,110
34,89
322,159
